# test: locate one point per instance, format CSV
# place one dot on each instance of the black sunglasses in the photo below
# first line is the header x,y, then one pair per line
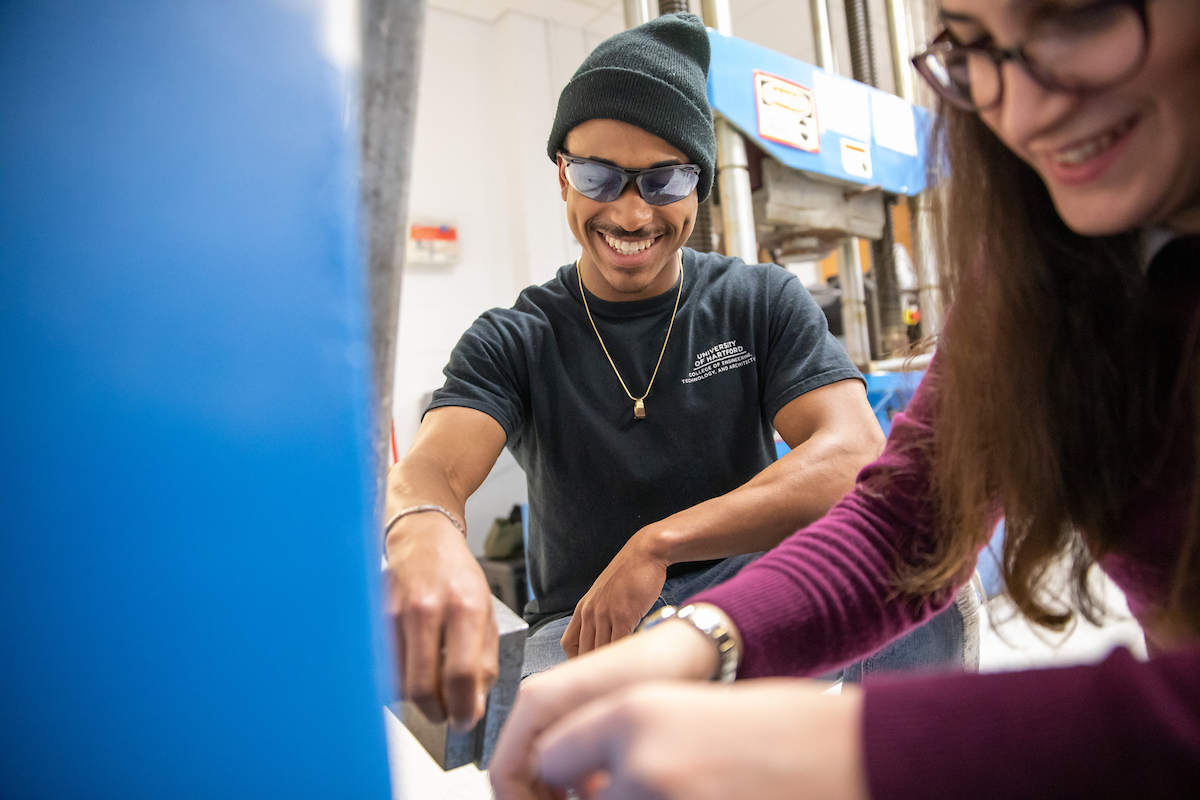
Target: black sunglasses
x,y
658,186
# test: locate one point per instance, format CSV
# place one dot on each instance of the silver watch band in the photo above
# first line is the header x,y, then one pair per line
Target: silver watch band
x,y
713,623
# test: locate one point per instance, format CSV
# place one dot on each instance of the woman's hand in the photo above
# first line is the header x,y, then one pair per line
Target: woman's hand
x,y
766,739
672,650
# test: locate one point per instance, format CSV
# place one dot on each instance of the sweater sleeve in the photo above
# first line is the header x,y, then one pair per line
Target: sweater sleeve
x,y
1117,729
825,595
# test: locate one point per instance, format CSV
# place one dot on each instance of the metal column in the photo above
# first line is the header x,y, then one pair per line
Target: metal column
x,y
850,276
929,293
929,289
733,175
636,12
390,59
901,46
891,332
854,304
826,56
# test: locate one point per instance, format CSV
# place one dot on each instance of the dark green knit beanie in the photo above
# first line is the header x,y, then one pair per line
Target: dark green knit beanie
x,y
654,76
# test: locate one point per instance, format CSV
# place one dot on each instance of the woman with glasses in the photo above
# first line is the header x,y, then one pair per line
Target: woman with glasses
x,y
1065,396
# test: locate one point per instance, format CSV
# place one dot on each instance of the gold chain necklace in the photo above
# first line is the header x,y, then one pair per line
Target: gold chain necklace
x,y
639,405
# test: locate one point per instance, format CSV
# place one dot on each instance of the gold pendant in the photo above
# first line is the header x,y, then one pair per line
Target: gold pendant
x,y
639,409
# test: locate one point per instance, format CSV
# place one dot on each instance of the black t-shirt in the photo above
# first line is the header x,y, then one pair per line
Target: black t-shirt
x,y
746,341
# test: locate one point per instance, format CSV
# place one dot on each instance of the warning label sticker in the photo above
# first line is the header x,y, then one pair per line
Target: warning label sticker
x,y
787,112
856,159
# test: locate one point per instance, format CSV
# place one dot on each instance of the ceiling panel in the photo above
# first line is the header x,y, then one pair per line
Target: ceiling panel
x,y
779,24
569,12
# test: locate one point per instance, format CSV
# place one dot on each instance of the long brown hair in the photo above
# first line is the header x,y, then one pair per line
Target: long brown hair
x,y
1059,383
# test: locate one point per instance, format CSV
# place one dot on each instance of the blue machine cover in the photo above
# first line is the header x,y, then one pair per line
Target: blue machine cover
x,y
818,122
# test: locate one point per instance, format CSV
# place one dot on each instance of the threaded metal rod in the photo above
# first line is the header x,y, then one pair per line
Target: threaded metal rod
x,y
701,238
893,334
862,45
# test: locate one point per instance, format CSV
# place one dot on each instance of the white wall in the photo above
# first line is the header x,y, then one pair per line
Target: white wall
x,y
782,25
488,91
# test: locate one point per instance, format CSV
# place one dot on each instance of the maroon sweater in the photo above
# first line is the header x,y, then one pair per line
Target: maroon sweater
x,y
823,598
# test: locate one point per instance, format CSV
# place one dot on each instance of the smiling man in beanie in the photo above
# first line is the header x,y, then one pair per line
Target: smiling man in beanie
x,y
639,389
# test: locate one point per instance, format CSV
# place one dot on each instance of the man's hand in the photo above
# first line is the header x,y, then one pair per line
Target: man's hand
x,y
448,648
445,629
618,599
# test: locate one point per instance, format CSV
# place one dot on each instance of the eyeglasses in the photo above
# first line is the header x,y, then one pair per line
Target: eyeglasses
x,y
1076,49
658,186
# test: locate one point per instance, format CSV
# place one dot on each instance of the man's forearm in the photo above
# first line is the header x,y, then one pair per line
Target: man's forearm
x,y
454,450
789,494
416,481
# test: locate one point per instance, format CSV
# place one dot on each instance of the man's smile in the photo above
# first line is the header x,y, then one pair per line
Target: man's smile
x,y
628,247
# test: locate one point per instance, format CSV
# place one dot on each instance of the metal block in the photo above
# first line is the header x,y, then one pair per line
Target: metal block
x,y
450,748
797,213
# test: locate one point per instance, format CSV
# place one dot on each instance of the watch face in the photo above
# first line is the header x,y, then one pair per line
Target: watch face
x,y
706,618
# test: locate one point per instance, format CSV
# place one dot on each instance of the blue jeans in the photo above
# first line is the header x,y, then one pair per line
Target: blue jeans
x,y
542,648
948,641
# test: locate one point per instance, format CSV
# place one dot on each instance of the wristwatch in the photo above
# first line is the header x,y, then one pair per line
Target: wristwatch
x,y
713,623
